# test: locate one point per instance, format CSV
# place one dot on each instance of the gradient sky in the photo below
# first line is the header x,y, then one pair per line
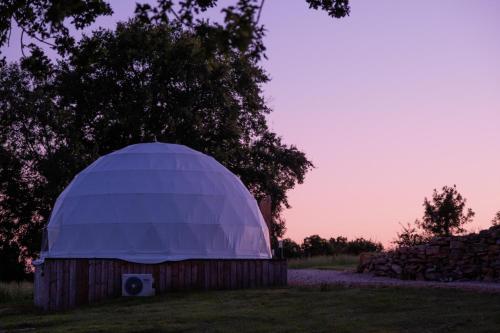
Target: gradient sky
x,y
396,100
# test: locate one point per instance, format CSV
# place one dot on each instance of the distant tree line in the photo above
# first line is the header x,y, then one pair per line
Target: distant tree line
x,y
317,246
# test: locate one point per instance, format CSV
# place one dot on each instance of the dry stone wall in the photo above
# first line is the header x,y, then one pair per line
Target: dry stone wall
x,y
469,257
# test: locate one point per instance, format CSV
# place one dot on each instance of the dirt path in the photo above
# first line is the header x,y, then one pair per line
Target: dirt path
x,y
297,277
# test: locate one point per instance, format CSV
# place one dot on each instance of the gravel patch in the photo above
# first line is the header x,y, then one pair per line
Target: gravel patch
x,y
307,277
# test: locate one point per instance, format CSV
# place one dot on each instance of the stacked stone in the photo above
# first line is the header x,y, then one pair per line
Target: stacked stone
x,y
455,258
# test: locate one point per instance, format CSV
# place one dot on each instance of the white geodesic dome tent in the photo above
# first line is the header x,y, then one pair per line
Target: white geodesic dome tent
x,y
155,202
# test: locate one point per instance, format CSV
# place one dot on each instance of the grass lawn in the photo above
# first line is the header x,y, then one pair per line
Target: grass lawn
x,y
340,262
272,310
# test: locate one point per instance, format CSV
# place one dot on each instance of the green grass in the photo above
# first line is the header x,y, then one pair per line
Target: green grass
x,y
15,292
340,262
274,310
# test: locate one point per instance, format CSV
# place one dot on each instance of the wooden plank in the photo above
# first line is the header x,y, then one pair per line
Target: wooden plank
x,y
41,287
117,273
271,273
111,279
239,274
258,273
187,274
265,273
53,285
124,267
220,275
103,290
45,286
227,274
161,279
73,288
65,284
251,273
92,281
175,275
59,284
168,276
156,278
206,278
233,274
193,271
200,275
277,273
36,287
189,277
105,277
127,267
246,276
78,281
85,281
212,275
182,275
194,275
206,275
82,281
99,279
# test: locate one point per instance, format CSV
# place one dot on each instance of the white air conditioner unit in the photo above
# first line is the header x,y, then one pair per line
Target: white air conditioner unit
x,y
137,285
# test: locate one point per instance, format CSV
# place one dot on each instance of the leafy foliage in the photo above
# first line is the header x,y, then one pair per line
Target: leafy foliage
x,y
46,20
360,245
409,236
317,246
445,214
291,249
334,8
496,220
49,22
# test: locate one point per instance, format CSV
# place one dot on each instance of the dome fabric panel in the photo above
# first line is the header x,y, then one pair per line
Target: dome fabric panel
x,y
155,202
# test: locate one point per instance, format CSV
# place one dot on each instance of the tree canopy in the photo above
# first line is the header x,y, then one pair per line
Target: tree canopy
x,y
50,22
445,214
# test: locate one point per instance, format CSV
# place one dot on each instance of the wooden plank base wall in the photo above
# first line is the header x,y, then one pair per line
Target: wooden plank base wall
x,y
66,283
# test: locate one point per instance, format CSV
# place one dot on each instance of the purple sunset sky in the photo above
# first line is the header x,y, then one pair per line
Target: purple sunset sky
x,y
396,100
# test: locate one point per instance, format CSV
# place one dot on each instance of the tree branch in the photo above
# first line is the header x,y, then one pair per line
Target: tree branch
x,y
38,38
22,43
260,11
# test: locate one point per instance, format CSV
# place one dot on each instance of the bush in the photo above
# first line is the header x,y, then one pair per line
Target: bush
x,y
409,236
338,245
316,246
360,245
291,249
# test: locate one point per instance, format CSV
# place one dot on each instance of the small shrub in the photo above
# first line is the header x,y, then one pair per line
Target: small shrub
x,y
409,236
